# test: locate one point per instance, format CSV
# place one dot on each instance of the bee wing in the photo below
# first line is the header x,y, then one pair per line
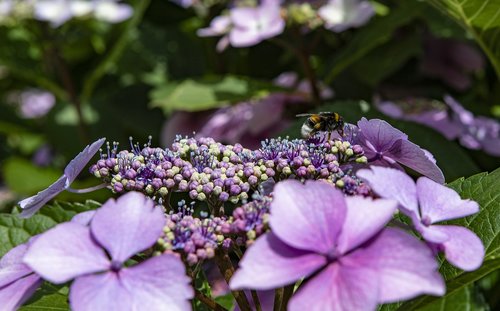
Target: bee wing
x,y
304,114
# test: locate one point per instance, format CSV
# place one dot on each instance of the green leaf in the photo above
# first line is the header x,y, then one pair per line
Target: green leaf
x,y
481,18
379,31
48,297
15,230
383,61
483,188
211,92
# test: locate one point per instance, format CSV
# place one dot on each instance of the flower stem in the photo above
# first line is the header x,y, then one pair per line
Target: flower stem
x,y
226,268
287,294
256,301
87,190
278,298
209,302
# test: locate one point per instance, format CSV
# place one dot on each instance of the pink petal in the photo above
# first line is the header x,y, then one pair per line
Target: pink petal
x,y
365,218
405,266
438,202
100,292
76,165
412,156
309,216
270,263
128,225
464,249
65,252
15,294
338,288
391,183
159,283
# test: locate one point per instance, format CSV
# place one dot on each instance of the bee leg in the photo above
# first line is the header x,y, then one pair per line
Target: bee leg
x,y
329,135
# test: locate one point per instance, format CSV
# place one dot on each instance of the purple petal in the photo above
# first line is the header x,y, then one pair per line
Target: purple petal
x,y
405,267
412,156
14,256
391,183
438,202
100,292
15,294
463,249
12,267
80,161
338,288
365,218
159,283
428,232
270,263
128,225
378,135
65,252
309,216
32,204
84,218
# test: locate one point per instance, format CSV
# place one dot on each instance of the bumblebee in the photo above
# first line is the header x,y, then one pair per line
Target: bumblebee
x,y
321,122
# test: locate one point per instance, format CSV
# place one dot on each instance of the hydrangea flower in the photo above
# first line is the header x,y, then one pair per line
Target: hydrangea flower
x,y
431,113
246,26
32,204
385,145
428,203
340,15
95,257
341,245
35,103
476,132
253,25
58,12
17,281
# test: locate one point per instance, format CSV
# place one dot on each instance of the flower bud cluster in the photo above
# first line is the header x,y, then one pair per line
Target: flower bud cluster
x,y
217,173
194,238
311,159
250,220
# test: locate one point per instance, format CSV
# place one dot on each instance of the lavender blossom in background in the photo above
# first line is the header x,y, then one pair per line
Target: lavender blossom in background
x,y
112,11
427,112
32,204
58,12
354,261
428,203
451,119
477,132
451,61
340,15
385,145
246,26
17,281
120,228
33,103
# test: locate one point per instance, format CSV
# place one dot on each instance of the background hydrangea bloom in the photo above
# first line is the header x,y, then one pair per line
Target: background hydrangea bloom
x,y
121,229
317,232
428,203
32,204
340,15
17,281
